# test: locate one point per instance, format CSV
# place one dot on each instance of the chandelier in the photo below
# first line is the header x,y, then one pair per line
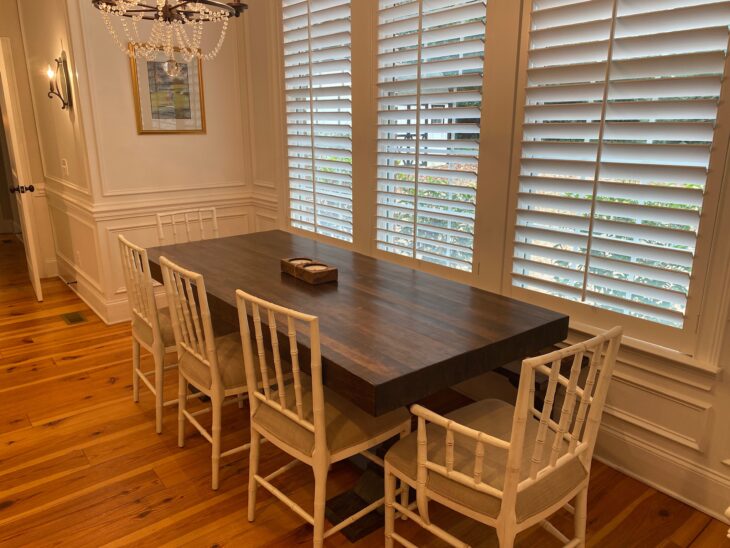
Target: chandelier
x,y
175,27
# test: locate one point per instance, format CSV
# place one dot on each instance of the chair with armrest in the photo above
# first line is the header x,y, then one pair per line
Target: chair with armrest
x,y
508,467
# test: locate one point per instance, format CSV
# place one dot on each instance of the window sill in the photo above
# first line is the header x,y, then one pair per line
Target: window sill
x,y
654,350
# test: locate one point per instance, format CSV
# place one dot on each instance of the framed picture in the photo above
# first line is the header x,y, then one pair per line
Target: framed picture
x,y
168,94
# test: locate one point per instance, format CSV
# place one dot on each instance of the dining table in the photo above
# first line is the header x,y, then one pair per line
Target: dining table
x,y
390,335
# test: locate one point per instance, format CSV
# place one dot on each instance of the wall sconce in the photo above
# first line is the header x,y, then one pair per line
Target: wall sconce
x,y
59,82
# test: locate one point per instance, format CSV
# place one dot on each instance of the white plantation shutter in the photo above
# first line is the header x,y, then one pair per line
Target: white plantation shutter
x,y
622,98
430,67
319,115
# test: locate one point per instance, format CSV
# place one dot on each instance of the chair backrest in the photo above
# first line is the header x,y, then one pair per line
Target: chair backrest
x,y
273,384
138,281
194,222
192,325
572,437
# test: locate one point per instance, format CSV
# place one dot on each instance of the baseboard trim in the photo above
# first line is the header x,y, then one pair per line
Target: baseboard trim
x,y
84,287
670,474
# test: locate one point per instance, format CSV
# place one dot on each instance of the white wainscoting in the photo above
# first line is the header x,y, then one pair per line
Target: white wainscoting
x,y
86,239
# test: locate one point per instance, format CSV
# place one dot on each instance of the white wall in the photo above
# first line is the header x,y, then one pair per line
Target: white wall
x,y
131,165
117,180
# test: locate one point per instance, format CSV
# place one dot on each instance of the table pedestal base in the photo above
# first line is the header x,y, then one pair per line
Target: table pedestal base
x,y
369,488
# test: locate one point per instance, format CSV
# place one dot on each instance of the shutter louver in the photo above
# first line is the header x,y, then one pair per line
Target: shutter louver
x,y
319,115
622,101
430,70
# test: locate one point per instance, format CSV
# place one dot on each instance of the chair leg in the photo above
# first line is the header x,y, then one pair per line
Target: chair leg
x,y
580,516
506,535
182,400
135,370
405,489
389,509
320,495
159,357
215,434
253,469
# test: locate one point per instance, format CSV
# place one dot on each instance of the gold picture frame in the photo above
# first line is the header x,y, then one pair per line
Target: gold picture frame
x,y
167,104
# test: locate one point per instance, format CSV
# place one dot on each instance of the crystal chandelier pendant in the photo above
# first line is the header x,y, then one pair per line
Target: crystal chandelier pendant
x,y
174,27
172,68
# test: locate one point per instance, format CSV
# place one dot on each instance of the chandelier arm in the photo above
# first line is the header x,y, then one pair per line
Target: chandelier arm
x,y
233,9
142,8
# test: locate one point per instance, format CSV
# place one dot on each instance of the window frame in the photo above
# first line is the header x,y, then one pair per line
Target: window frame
x,y
584,317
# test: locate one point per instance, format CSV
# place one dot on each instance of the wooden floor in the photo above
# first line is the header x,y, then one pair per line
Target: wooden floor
x,y
81,465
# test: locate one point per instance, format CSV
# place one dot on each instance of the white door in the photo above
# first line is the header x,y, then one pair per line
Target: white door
x,y
20,176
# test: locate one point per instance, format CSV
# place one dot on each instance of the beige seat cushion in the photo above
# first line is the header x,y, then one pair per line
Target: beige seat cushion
x,y
230,364
144,332
493,417
347,424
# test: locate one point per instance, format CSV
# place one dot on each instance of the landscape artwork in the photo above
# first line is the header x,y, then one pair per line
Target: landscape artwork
x,y
168,94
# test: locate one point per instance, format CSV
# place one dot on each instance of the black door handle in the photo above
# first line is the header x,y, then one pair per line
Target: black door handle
x,y
22,189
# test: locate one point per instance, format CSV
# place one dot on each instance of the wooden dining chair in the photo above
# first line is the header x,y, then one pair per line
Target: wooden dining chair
x,y
151,326
212,365
295,412
194,221
508,467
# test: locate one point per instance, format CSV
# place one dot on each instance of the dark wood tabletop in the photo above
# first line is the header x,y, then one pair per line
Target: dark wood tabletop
x,y
390,335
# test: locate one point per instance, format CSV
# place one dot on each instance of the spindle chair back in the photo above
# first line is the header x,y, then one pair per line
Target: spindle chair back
x,y
148,329
193,221
191,320
262,355
138,280
553,445
278,386
574,435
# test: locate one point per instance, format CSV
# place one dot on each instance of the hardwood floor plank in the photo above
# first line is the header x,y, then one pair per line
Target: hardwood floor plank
x,y
89,513
13,422
688,531
43,472
712,536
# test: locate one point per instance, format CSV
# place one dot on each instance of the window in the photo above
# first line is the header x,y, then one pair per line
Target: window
x,y
430,71
621,104
319,115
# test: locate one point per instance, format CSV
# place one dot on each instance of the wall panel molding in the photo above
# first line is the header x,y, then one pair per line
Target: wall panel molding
x,y
203,186
653,428
662,392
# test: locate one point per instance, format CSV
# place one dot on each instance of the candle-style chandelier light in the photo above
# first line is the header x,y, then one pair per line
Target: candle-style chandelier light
x,y
175,27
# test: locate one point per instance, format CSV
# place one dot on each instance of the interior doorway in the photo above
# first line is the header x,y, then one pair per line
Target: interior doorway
x,y
9,215
16,164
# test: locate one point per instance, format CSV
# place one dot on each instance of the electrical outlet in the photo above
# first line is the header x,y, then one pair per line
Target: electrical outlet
x,y
64,167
